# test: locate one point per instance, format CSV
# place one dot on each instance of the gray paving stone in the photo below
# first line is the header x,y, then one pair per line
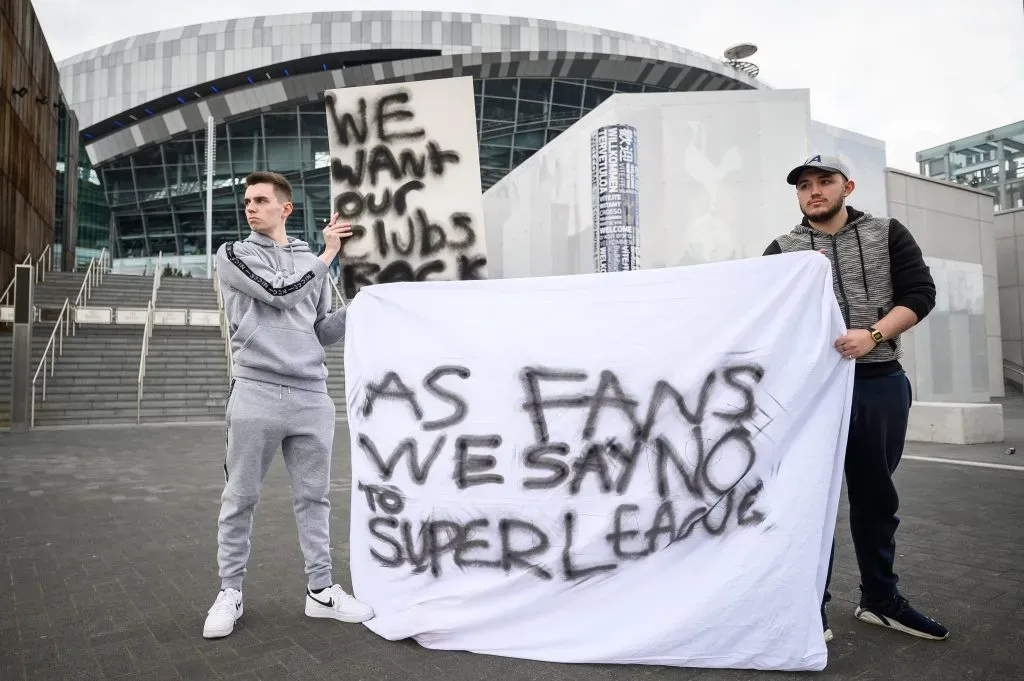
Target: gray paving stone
x,y
108,567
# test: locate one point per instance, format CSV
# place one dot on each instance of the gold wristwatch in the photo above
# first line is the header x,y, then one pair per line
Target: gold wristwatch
x,y
876,334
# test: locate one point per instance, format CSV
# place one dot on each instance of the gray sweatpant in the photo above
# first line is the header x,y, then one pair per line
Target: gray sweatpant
x,y
261,417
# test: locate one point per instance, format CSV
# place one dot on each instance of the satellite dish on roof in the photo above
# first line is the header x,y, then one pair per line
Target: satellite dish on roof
x,y
740,51
735,55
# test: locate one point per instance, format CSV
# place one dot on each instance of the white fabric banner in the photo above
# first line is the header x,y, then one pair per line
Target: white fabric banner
x,y
638,467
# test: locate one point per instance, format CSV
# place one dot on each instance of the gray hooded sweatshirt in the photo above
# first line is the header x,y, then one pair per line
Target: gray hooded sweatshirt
x,y
277,299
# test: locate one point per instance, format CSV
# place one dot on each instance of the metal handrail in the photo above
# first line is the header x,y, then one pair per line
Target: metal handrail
x,y
51,349
40,270
142,359
340,299
10,286
147,332
93,274
157,276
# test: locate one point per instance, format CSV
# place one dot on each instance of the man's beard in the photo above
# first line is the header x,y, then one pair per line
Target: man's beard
x,y
832,211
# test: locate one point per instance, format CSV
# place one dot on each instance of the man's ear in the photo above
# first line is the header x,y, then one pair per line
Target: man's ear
x,y
850,186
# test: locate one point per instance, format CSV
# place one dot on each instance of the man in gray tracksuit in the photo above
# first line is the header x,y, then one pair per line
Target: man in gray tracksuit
x,y
884,287
278,300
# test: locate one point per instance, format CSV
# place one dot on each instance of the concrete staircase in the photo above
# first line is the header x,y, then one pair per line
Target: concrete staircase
x,y
50,294
336,375
122,290
178,293
96,380
186,375
186,369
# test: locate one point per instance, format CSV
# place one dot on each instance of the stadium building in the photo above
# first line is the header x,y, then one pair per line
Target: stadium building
x,y
142,104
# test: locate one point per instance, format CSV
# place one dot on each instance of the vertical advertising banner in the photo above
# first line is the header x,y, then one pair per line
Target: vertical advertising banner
x,y
616,201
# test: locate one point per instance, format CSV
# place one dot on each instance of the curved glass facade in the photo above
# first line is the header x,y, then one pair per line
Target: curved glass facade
x,y
157,194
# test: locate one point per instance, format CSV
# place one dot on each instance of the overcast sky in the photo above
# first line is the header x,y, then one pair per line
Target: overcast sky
x,y
879,67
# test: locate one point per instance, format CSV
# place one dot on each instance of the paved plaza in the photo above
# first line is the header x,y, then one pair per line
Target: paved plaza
x,y
108,562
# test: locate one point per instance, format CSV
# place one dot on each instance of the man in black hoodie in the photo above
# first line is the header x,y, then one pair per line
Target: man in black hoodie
x,y
883,287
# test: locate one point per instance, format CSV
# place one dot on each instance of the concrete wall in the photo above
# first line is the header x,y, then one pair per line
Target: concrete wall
x,y
955,354
1009,230
711,170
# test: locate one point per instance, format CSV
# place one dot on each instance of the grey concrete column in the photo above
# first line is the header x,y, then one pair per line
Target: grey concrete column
x,y
21,353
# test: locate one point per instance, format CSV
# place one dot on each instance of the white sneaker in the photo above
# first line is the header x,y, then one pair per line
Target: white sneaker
x,y
220,621
333,603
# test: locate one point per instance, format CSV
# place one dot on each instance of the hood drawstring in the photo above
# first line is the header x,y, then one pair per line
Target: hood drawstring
x,y
863,269
277,258
860,251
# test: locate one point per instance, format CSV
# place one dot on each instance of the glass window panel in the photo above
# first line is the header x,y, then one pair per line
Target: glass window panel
x,y
165,244
246,128
530,140
502,87
593,96
148,156
225,223
478,102
191,223
536,89
296,223
494,156
318,203
315,153
563,92
532,111
283,155
120,186
491,126
552,134
606,84
520,155
130,225
478,86
133,247
283,124
247,155
225,198
147,179
183,180
189,202
180,152
562,113
314,125
629,87
499,109
159,223
498,140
